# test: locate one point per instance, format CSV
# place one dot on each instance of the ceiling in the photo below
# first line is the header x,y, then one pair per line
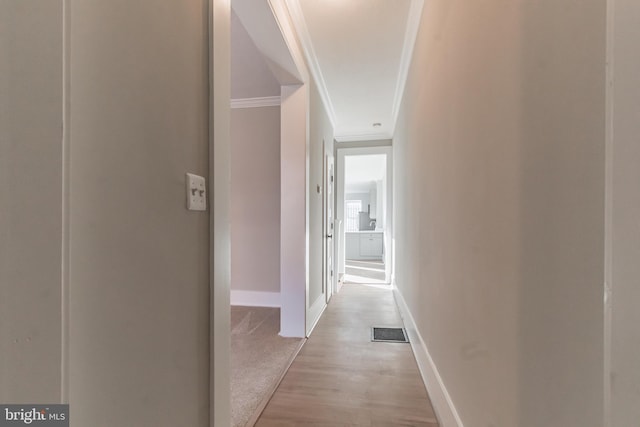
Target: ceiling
x,y
358,51
361,170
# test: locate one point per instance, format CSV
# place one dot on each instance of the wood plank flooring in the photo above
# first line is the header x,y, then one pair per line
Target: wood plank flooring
x,y
368,272
341,378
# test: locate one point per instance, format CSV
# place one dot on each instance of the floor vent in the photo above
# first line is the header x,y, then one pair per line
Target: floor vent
x,y
388,334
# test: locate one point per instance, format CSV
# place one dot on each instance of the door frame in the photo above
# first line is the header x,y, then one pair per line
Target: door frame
x,y
219,17
341,154
294,102
329,276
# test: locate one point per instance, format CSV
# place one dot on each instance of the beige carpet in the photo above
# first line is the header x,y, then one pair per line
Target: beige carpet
x,y
259,357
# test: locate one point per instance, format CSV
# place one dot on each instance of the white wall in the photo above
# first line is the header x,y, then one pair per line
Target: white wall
x,y
139,261
30,201
320,130
499,187
255,199
361,144
294,213
624,250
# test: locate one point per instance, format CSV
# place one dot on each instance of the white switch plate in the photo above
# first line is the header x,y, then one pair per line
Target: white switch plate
x,y
196,193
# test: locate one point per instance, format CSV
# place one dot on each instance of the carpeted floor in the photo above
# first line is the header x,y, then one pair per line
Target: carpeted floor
x,y
259,357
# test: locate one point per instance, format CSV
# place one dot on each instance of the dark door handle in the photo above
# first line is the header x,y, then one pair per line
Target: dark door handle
x,y
329,236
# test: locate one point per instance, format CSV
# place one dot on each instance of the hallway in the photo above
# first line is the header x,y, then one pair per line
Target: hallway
x,y
513,245
340,377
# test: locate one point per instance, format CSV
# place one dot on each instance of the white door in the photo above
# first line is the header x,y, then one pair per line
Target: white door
x,y
329,221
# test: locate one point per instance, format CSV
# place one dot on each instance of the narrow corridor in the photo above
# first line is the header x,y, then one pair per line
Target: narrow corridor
x,y
340,377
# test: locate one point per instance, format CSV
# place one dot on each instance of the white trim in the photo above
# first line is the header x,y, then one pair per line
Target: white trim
x,y
353,137
365,144
66,170
442,403
285,23
346,151
413,25
219,15
314,313
295,11
265,101
328,279
608,213
255,298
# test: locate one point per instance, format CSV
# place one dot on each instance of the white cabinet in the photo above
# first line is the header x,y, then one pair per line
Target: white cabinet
x,y
352,246
363,245
371,245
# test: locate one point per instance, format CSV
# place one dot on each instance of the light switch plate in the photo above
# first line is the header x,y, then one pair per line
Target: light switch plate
x,y
196,193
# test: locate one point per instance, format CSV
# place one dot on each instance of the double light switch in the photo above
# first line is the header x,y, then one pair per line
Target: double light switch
x,y
196,193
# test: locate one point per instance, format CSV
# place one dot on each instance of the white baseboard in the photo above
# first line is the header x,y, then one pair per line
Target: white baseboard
x,y
255,298
314,313
442,403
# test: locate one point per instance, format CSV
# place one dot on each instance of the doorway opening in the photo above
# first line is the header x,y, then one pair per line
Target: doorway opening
x,y
364,211
267,307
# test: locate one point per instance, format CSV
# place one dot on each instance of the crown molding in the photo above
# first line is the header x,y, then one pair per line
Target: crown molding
x,y
295,11
285,23
411,33
265,101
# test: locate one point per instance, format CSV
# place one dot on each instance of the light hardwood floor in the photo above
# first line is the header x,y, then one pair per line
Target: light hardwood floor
x,y
371,272
341,378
